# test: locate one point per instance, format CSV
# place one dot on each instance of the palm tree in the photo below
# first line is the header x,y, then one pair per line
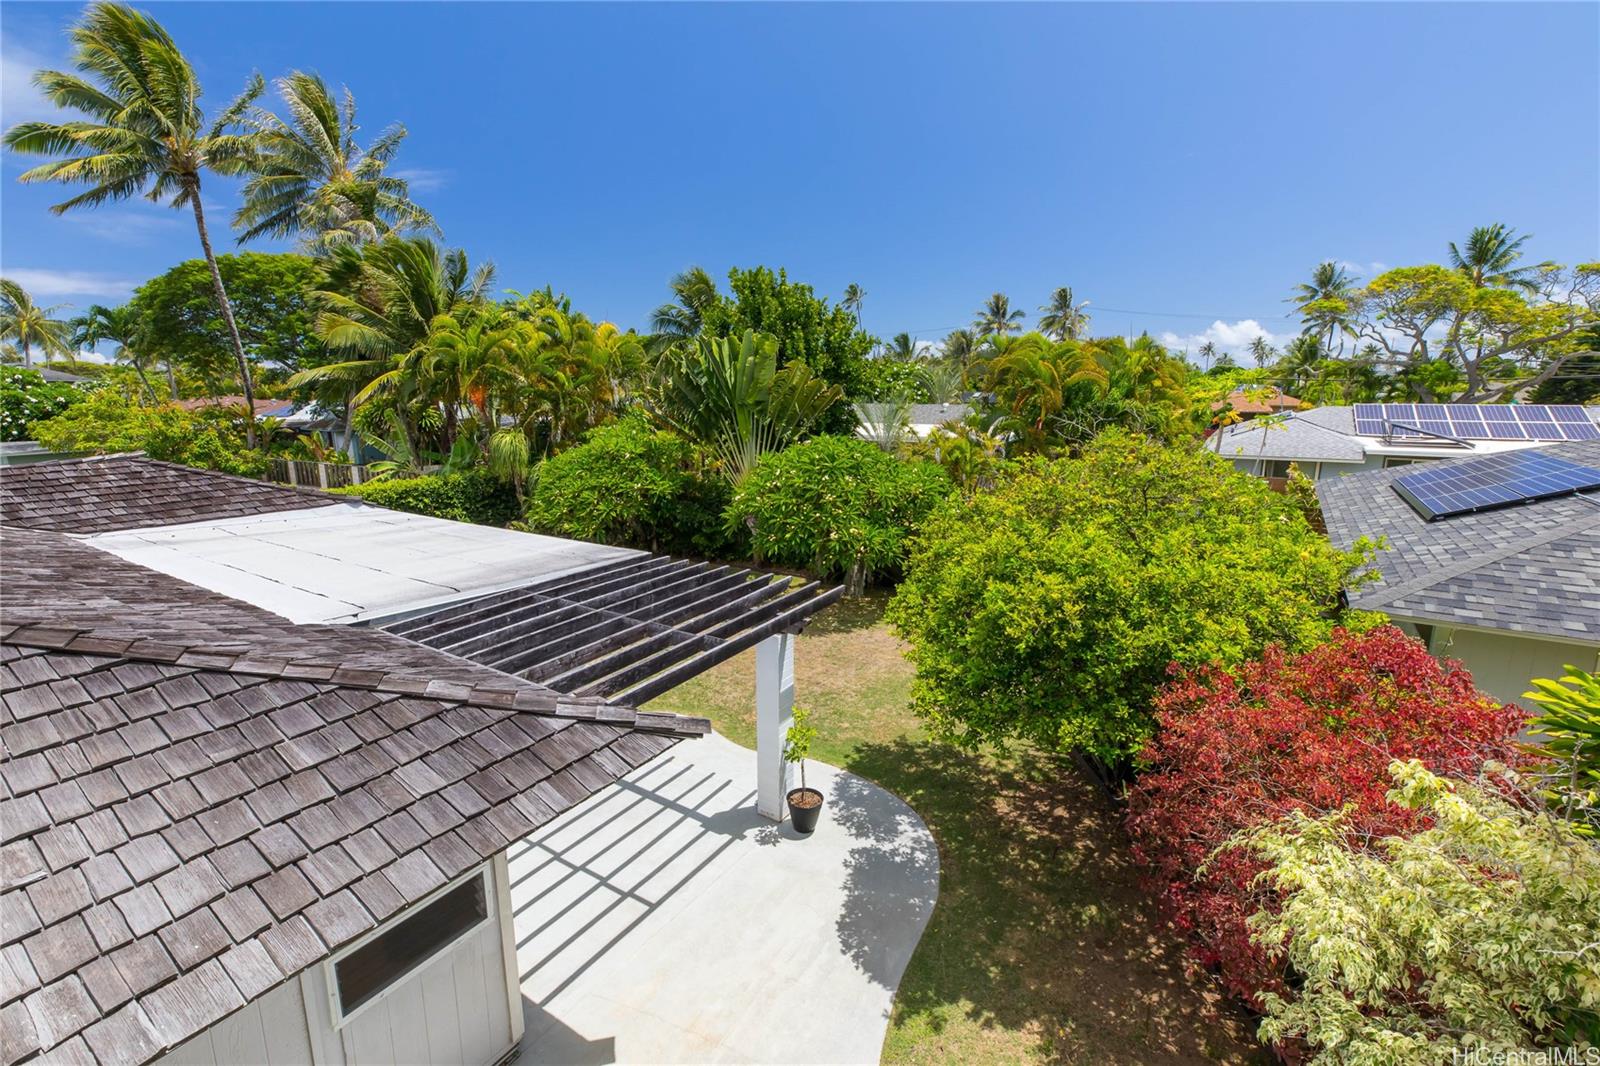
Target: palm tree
x,y
1262,351
310,178
377,305
122,327
694,293
960,347
996,318
853,295
1207,353
28,324
902,348
1324,301
1062,319
144,130
1490,256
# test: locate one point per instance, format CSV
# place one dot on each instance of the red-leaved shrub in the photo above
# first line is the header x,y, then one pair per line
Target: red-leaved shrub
x,y
1309,732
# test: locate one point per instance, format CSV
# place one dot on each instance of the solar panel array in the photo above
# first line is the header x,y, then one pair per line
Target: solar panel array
x,y
1467,421
1494,481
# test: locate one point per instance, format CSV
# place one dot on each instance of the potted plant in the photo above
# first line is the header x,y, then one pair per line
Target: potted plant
x,y
805,804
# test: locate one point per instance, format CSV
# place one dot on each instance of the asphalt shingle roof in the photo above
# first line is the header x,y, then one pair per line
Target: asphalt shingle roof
x,y
1298,435
1532,569
202,799
131,492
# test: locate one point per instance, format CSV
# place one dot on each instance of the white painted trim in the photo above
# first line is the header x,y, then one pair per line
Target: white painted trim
x,y
774,716
1446,623
336,1009
508,944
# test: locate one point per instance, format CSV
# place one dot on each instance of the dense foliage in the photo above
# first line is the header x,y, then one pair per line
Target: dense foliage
x,y
1569,728
1049,609
471,496
1314,733
107,422
26,397
270,294
1474,931
631,485
836,506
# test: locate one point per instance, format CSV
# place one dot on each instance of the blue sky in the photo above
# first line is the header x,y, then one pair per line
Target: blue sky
x,y
1185,165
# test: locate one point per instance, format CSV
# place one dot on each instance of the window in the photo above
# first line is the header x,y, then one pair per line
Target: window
x,y
379,962
1396,460
1276,467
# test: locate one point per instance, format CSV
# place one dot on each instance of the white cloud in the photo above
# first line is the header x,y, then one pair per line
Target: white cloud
x,y
423,179
129,225
1231,337
19,100
1364,271
48,284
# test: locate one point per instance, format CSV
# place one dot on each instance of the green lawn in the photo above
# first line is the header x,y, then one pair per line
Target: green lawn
x,y
1041,948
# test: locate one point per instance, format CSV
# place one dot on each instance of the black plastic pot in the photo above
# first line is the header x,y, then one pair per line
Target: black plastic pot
x,y
804,818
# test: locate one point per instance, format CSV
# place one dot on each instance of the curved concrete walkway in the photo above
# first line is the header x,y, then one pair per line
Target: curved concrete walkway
x,y
666,921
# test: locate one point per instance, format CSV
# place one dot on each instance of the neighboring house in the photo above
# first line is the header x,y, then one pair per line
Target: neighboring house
x,y
1250,402
1327,441
265,408
61,377
920,419
1511,588
235,832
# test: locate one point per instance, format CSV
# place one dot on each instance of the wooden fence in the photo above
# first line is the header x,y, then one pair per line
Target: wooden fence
x,y
315,475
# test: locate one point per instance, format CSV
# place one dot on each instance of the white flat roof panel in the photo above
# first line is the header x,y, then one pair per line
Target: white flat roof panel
x,y
350,562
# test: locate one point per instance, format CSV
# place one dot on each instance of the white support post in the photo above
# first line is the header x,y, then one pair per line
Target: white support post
x,y
774,716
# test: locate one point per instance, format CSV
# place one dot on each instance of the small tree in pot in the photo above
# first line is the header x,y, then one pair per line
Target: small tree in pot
x,y
805,804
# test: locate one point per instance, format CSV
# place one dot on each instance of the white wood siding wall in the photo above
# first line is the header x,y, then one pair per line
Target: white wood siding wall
x,y
463,1007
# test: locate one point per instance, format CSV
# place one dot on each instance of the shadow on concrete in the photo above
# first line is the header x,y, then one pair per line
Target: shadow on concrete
x,y
665,793
546,1038
891,879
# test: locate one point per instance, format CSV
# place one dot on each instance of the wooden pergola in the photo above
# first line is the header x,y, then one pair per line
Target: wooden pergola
x,y
626,633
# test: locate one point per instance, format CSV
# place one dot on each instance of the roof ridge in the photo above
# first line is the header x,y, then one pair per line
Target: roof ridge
x,y
1576,524
237,658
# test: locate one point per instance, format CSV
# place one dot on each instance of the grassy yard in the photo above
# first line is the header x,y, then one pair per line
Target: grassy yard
x,y
1041,948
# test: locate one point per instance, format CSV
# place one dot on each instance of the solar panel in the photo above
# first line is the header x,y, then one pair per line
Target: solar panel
x,y
1369,419
1493,481
1467,421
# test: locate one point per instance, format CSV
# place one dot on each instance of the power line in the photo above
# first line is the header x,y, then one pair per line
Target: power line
x,y
1093,308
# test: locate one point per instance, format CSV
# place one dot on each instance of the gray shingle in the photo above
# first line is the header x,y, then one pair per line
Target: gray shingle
x,y
1533,568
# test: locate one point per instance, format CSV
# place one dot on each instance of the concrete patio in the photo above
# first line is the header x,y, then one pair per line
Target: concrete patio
x,y
666,921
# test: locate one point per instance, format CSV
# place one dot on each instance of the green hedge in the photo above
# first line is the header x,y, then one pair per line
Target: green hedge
x,y
474,496
631,485
837,506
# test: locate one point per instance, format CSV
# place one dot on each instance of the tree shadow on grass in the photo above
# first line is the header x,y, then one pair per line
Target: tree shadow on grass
x,y
851,613
1041,926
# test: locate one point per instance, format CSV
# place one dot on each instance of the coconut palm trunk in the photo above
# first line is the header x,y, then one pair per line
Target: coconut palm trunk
x,y
226,308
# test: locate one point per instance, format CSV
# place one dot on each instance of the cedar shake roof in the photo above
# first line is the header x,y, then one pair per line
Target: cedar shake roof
x,y
102,494
1532,569
202,799
1265,400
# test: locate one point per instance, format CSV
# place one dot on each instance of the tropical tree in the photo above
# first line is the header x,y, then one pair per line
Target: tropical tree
x,y
1262,351
1030,378
120,326
1324,301
902,347
144,130
29,325
731,397
961,348
377,305
853,296
313,181
1489,258
1063,319
1207,353
694,293
996,318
